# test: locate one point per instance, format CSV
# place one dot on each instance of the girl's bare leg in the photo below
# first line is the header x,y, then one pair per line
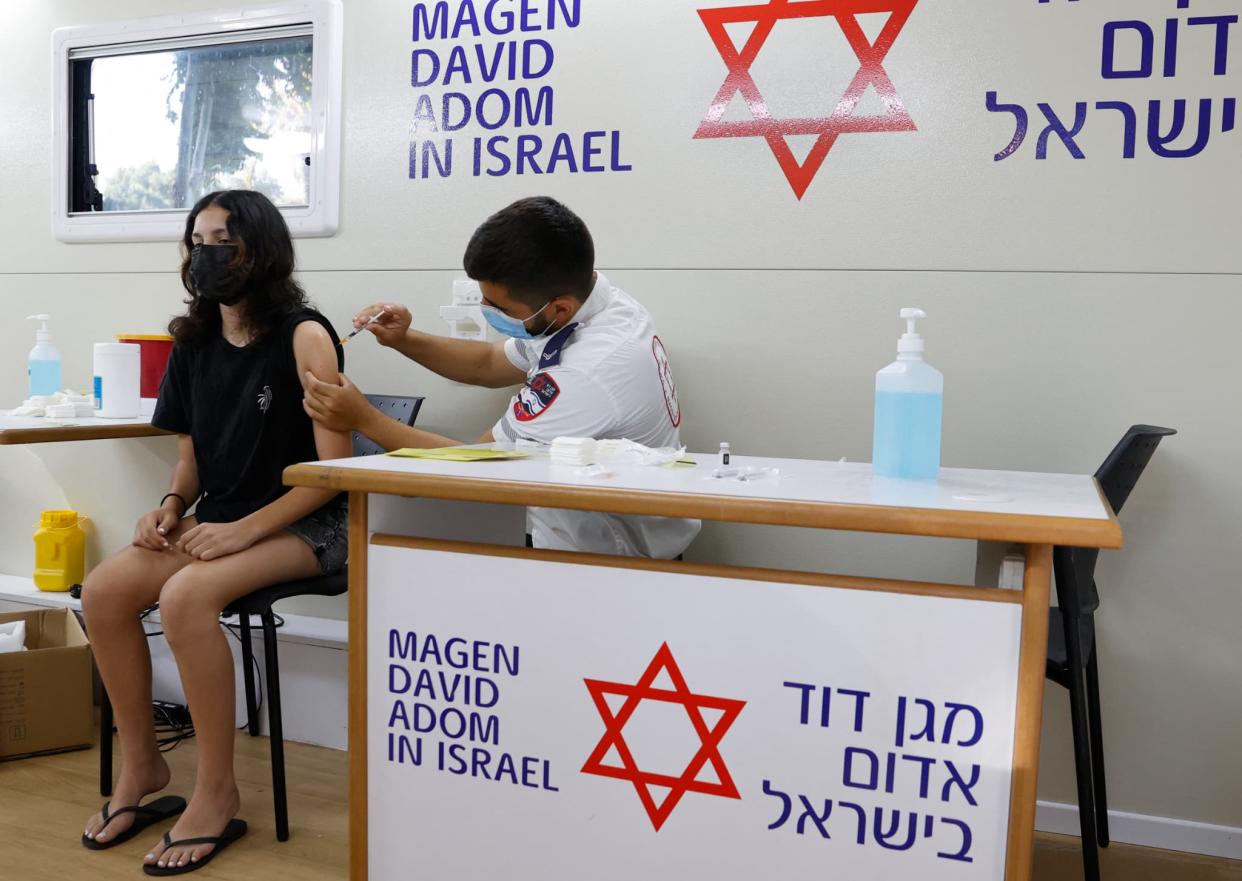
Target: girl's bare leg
x,y
114,594
190,606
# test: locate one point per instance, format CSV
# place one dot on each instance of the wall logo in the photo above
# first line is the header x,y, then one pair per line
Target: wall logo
x,y
709,737
842,119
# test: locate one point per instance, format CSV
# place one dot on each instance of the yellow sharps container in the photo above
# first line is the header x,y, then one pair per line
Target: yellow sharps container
x,y
60,550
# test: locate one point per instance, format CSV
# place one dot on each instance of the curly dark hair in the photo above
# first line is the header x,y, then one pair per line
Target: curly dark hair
x,y
264,249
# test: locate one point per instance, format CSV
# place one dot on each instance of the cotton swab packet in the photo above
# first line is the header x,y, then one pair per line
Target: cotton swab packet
x,y
628,452
612,449
61,405
577,451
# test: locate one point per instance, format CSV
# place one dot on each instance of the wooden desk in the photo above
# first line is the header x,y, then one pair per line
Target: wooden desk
x,y
40,430
1035,510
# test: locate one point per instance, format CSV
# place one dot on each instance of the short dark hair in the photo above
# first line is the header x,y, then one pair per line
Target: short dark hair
x,y
536,248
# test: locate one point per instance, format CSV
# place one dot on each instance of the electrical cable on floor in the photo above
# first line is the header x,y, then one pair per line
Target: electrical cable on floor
x,y
172,725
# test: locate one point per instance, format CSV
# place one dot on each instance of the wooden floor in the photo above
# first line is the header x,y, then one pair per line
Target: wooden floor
x,y
44,803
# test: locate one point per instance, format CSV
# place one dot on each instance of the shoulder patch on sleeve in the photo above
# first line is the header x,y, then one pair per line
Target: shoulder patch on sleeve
x,y
536,396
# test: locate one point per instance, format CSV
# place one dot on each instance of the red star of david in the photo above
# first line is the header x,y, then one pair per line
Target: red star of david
x,y
709,736
842,120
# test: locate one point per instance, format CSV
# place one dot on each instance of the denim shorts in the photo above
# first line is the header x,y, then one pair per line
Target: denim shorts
x,y
326,531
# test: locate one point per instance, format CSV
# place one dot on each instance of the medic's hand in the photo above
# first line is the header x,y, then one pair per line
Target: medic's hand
x,y
210,541
337,407
390,327
154,527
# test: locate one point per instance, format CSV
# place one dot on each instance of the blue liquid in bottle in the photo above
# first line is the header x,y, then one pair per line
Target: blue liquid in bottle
x,y
907,435
44,377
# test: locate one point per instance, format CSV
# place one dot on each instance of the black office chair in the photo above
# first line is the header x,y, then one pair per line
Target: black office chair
x,y
403,409
1072,646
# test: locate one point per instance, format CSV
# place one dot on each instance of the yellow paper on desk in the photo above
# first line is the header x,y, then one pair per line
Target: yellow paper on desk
x,y
459,454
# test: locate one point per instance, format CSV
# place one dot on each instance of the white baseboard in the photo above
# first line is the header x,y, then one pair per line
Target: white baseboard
x,y
1165,833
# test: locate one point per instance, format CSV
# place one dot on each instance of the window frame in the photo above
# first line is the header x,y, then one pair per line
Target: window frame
x,y
320,218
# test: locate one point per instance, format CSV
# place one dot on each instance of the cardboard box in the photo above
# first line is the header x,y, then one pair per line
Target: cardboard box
x,y
45,692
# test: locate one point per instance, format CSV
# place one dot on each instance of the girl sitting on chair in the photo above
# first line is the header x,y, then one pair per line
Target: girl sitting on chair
x,y
233,396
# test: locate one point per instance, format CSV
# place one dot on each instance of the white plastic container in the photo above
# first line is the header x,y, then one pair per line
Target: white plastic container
x,y
118,369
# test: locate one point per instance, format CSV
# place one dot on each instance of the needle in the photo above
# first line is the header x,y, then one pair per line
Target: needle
x,y
370,321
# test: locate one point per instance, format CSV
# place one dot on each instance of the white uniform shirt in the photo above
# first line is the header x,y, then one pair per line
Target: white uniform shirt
x,y
611,380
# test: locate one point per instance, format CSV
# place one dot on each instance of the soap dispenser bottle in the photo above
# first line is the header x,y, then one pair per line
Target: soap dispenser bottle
x,y
909,396
43,365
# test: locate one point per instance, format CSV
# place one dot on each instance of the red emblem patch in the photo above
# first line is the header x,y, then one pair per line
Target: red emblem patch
x,y
535,397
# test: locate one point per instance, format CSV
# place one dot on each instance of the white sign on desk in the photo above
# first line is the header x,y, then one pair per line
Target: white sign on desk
x,y
531,719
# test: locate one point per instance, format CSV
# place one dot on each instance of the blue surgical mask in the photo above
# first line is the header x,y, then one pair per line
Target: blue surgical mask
x,y
510,326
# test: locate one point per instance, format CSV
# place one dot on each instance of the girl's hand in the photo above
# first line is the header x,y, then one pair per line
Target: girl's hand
x,y
155,526
210,541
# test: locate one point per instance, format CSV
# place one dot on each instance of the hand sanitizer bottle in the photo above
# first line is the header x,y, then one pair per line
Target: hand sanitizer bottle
x,y
43,365
909,395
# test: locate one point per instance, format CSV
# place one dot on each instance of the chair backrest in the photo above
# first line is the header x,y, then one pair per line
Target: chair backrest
x,y
402,408
1075,567
1121,470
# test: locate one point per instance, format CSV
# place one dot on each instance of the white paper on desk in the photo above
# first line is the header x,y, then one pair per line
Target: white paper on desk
x,y
13,637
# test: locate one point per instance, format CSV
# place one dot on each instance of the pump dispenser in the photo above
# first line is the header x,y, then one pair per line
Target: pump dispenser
x,y
910,341
909,397
43,365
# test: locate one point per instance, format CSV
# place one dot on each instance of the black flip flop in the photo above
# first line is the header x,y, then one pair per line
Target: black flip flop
x,y
233,831
161,809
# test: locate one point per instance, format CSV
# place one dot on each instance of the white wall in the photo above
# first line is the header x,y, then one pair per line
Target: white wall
x,y
1068,300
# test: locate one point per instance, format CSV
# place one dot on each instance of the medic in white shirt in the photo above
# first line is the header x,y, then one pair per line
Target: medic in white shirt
x,y
587,353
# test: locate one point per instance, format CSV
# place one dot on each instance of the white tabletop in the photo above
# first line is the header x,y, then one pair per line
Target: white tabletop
x,y
801,480
961,493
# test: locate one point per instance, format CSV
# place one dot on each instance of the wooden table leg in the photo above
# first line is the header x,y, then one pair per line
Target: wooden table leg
x,y
1031,665
358,541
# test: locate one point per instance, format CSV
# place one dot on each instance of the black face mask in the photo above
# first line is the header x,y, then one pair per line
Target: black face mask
x,y
214,279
